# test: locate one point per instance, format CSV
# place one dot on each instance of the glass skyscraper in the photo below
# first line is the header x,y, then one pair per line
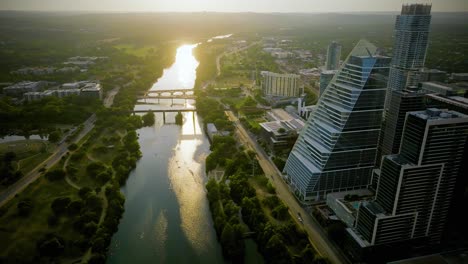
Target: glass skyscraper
x,y
337,147
333,56
409,51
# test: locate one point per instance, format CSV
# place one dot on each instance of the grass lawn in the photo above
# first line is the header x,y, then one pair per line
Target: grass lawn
x,y
28,164
136,51
234,81
17,240
30,153
23,148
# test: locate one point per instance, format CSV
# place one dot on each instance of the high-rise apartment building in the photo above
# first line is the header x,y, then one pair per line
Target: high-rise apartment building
x,y
336,149
281,85
333,56
415,187
409,51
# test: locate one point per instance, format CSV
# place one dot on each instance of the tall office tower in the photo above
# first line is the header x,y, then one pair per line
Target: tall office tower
x,y
336,149
282,85
325,78
416,186
409,50
401,102
333,56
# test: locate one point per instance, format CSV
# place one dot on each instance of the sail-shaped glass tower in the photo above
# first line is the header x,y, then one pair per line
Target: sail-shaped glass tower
x,y
336,149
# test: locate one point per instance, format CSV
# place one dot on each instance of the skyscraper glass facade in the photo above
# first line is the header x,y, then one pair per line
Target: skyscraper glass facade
x,y
336,149
409,51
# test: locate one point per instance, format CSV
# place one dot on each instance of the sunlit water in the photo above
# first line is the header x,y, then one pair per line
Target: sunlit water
x,y
167,217
182,74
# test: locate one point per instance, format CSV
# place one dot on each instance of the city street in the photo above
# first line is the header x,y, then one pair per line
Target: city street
x,y
318,238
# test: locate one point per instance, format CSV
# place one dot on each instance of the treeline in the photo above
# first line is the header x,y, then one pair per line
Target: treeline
x,y
212,112
8,172
278,242
42,113
206,54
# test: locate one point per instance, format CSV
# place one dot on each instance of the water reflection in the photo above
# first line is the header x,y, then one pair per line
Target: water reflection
x,y
182,74
220,37
184,173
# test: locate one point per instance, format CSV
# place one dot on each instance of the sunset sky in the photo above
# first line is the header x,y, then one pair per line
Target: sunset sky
x,y
227,5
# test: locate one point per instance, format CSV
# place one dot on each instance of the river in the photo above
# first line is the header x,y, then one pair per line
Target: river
x,y
167,217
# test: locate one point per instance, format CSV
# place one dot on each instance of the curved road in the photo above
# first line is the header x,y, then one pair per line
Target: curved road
x,y
317,237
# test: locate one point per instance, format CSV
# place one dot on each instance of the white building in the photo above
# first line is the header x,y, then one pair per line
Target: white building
x,y
282,85
92,90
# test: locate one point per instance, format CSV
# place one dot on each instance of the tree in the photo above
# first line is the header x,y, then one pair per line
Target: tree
x,y
75,207
148,119
55,175
73,147
51,245
280,212
25,207
9,156
83,192
60,204
179,119
54,136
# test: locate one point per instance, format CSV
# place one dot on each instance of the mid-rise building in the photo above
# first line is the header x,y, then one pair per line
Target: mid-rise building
x,y
409,51
336,149
445,89
92,90
416,186
432,75
333,56
459,77
280,85
21,88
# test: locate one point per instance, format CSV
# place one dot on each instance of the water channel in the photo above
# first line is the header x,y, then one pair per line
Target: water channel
x,y
167,217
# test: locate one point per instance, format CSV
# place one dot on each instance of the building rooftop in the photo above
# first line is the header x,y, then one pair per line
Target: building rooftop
x,y
375,208
437,114
211,128
416,9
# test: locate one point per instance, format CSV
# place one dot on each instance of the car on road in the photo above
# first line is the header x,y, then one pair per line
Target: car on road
x,y
299,217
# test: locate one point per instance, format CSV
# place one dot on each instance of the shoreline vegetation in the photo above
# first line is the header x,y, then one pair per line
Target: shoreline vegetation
x,y
243,205
72,212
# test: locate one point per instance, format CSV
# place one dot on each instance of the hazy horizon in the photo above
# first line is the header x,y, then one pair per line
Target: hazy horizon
x,y
230,6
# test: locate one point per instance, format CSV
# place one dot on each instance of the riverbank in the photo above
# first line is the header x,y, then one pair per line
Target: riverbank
x,y
53,220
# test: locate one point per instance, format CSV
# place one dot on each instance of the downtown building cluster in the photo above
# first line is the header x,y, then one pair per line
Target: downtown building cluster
x,y
387,125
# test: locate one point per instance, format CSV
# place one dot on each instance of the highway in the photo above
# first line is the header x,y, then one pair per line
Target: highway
x,y
55,157
317,237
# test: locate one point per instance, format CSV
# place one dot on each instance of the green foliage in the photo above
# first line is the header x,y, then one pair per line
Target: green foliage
x,y
50,110
8,172
60,204
280,212
72,147
179,119
55,136
51,245
55,175
25,207
148,119
279,162
84,192
95,168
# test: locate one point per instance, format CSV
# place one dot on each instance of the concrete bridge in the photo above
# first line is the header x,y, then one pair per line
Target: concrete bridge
x,y
171,92
169,110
